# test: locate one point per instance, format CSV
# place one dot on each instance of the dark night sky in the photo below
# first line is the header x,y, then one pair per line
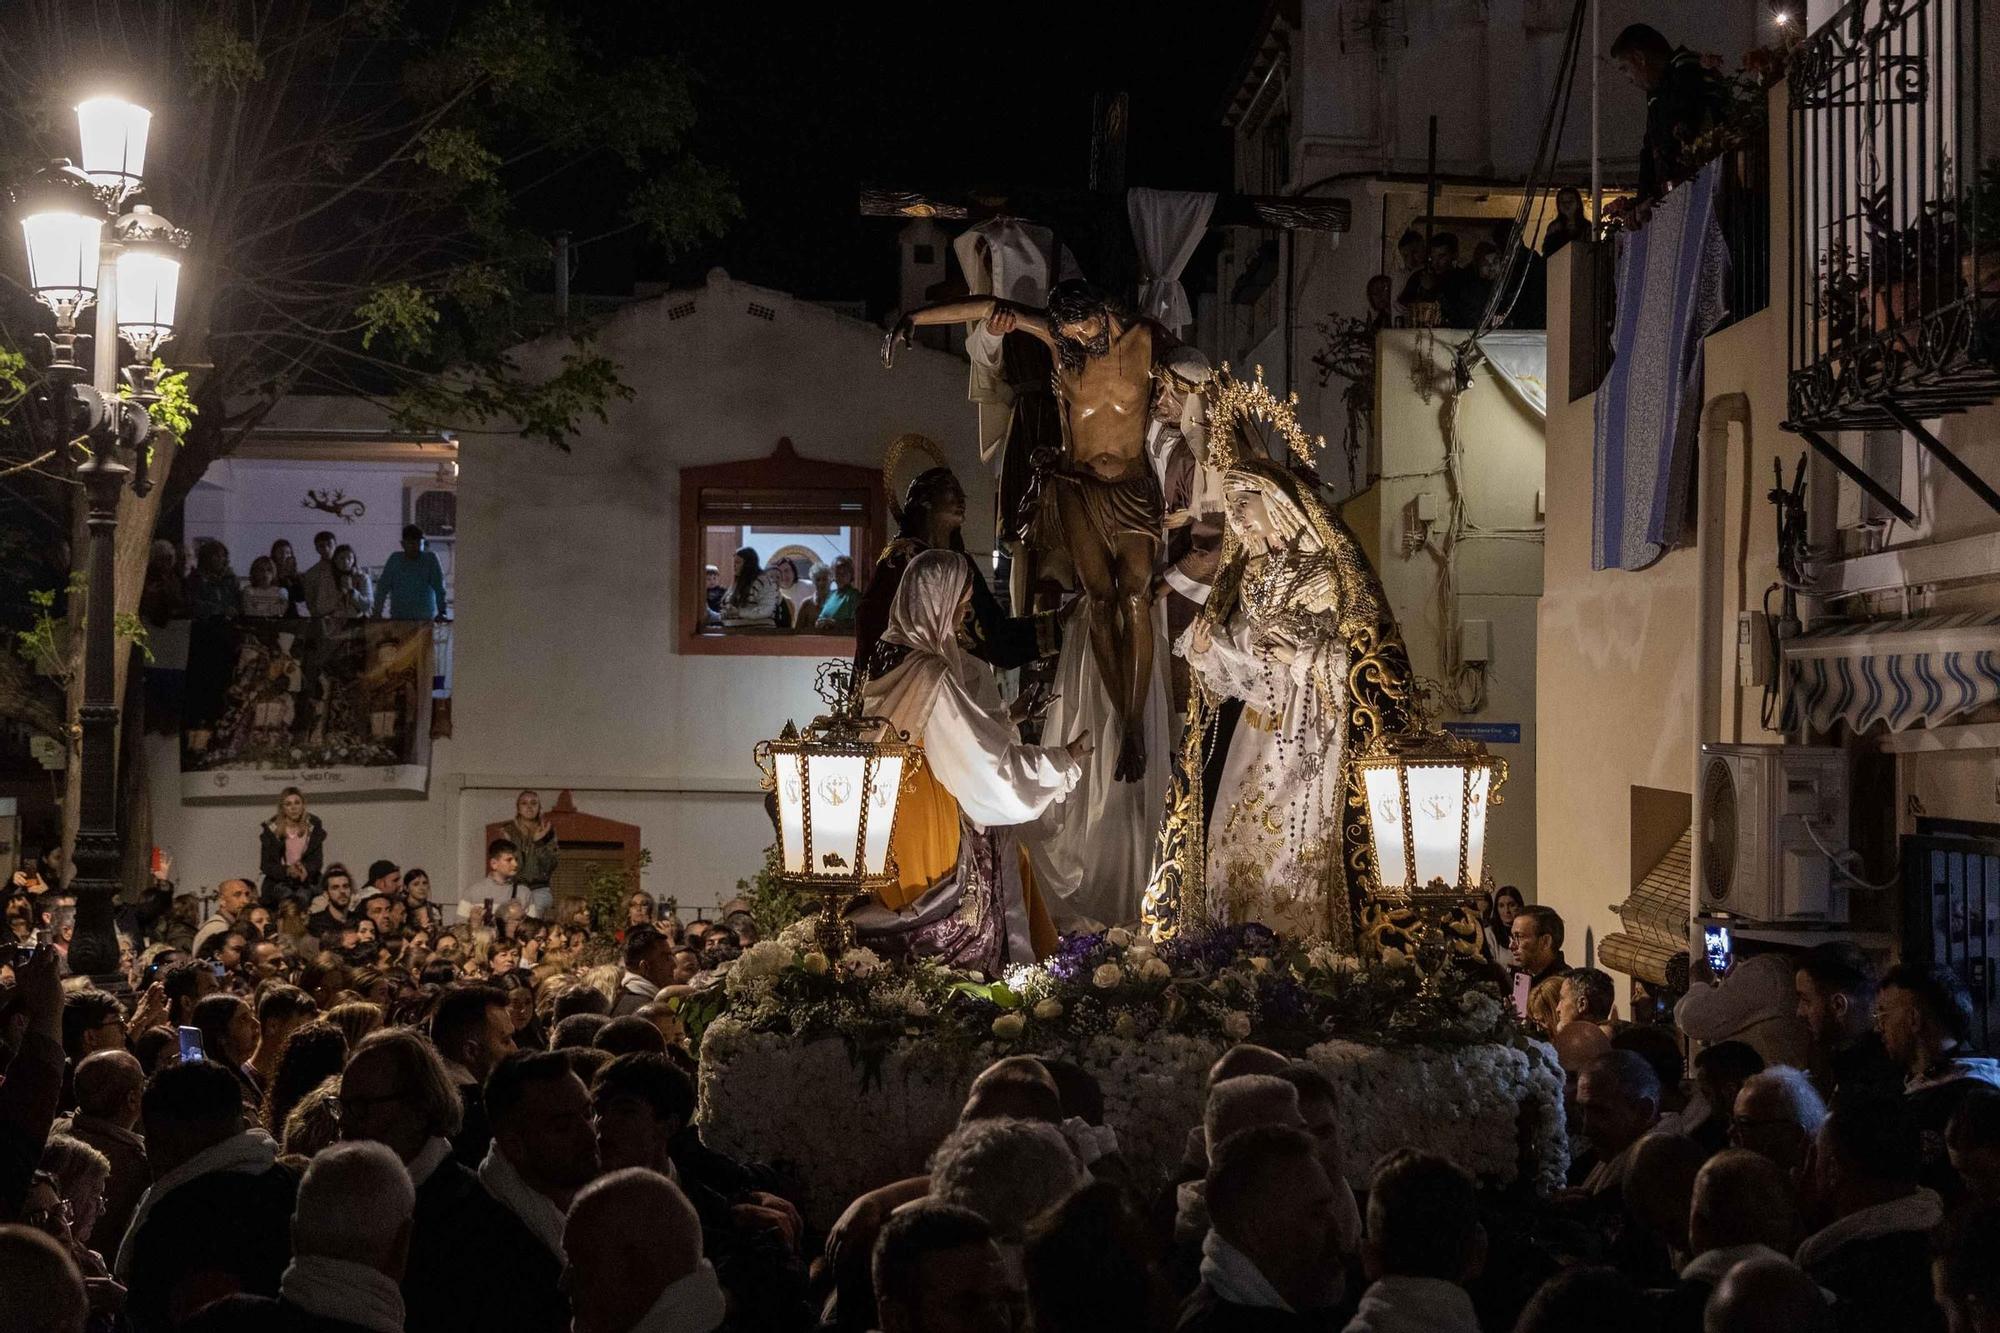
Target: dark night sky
x,y
805,105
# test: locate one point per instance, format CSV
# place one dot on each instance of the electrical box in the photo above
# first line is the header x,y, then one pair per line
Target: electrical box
x,y
1475,641
1753,649
1427,507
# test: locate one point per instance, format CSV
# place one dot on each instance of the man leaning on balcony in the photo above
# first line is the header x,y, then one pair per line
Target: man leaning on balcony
x,y
1684,100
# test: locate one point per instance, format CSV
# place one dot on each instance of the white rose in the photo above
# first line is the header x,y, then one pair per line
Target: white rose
x,y
1107,976
1236,1024
1049,1009
860,962
1155,969
1009,1026
815,963
1118,937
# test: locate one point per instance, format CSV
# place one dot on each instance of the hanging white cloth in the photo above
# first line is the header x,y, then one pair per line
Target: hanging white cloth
x,y
1015,261
1167,225
1521,360
1093,863
945,699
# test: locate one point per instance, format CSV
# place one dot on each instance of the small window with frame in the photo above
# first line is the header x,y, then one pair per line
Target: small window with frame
x,y
774,553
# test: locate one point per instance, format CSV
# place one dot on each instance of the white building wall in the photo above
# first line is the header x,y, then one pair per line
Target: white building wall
x,y
568,673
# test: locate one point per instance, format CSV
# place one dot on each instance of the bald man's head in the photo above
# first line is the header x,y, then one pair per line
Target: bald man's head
x,y
630,1235
1742,1198
41,1290
1759,1295
1659,1183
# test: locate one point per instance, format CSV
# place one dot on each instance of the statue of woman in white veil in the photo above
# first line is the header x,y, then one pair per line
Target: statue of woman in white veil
x,y
1296,628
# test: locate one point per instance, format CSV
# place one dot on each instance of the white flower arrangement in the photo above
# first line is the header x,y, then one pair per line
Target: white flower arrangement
x,y
1438,1064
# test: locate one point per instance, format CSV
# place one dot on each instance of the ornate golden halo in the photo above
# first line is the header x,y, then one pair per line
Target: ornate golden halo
x,y
1233,403
892,458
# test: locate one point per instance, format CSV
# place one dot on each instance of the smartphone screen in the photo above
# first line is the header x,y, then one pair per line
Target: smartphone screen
x,y
191,1051
1523,984
1716,945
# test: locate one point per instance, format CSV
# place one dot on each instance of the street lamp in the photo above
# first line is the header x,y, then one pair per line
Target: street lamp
x,y
132,275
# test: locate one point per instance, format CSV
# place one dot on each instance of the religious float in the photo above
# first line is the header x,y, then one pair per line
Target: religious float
x,y
1318,902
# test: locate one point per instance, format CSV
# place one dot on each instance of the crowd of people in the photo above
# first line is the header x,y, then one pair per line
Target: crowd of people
x,y
820,600
347,1113
410,585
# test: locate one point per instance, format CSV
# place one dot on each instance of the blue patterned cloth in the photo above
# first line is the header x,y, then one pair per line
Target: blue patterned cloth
x,y
1672,276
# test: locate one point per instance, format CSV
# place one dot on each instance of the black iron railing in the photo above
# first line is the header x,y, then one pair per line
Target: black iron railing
x,y
1895,205
1743,210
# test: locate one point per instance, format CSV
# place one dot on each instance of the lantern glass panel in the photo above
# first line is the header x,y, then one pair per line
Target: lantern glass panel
x,y
1475,827
148,284
835,787
113,133
1385,812
791,810
1437,820
62,254
883,787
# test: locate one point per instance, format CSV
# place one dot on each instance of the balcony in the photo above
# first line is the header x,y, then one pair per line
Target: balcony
x,y
1895,209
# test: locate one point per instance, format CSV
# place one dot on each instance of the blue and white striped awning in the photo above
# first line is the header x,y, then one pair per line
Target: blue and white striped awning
x,y
1919,672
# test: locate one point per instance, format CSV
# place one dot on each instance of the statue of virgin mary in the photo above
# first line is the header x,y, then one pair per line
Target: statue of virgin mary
x,y
1297,629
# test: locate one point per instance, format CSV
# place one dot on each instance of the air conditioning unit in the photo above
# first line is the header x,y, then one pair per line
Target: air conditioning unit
x,y
432,507
1765,813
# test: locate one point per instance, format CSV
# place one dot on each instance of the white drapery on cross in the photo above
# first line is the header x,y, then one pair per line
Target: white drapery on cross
x,y
1167,225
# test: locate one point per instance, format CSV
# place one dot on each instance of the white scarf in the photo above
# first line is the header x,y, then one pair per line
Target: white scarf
x,y
1235,1278
1920,1211
923,618
694,1304
428,1159
1414,1305
251,1152
350,1292
536,1210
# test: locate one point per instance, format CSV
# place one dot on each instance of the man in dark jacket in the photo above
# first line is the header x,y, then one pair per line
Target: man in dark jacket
x,y
1836,987
1874,1255
1684,99
217,1220
936,1266
1271,1262
1924,1014
474,1267
351,1234
473,1033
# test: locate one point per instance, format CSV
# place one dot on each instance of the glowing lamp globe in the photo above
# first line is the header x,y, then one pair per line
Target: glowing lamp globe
x,y
149,275
62,220
113,134
1428,795
837,784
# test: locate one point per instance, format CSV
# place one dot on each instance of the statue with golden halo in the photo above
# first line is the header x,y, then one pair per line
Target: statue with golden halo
x,y
1297,628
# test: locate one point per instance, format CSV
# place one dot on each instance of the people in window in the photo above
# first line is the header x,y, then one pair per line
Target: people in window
x,y
795,590
836,608
213,591
289,577
350,586
412,582
1569,223
822,588
713,592
753,597
265,597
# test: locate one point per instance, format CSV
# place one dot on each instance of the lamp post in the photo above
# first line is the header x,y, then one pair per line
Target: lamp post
x,y
837,785
132,275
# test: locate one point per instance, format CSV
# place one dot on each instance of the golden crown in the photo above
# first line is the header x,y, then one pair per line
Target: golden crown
x,y
1233,403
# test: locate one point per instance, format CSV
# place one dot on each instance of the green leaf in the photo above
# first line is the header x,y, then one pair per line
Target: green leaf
x,y
401,312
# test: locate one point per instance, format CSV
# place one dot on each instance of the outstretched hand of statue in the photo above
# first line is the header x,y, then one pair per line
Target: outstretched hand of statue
x,y
1080,746
1002,321
903,330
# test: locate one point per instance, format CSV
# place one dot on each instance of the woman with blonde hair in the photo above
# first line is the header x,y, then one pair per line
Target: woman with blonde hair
x,y
291,851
